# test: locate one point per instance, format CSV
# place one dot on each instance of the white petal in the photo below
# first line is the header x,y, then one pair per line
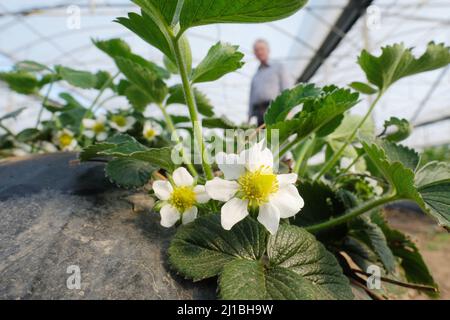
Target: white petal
x,y
285,179
102,136
269,217
101,119
232,212
189,215
89,133
220,189
130,122
89,123
163,189
169,216
68,132
230,166
147,126
257,156
117,127
201,195
181,177
288,201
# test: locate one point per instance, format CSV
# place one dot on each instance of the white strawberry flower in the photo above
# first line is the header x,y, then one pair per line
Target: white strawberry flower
x,y
66,141
122,123
250,183
95,128
179,198
151,130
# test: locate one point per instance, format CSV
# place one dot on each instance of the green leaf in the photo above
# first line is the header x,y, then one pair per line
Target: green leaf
x,y
72,117
202,12
145,78
137,98
77,78
433,184
221,59
14,114
222,123
295,249
321,204
398,165
21,82
200,249
288,100
158,157
118,48
232,285
203,104
94,150
371,234
318,112
28,135
170,66
128,172
396,62
104,79
290,265
403,129
363,88
124,149
360,253
342,133
155,30
432,172
30,66
416,270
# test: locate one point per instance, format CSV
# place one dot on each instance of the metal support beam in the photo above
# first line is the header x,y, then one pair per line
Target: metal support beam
x,y
350,14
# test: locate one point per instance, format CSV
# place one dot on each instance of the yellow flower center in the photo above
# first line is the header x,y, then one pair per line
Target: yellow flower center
x,y
65,140
150,133
257,186
182,198
121,121
98,128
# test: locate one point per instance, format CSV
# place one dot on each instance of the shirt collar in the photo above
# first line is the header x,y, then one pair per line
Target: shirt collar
x,y
266,65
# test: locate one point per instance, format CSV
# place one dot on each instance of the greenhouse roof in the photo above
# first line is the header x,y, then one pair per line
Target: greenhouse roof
x,y
38,30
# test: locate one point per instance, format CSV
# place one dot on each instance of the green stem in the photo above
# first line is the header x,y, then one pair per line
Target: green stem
x,y
6,130
352,213
173,131
97,98
41,110
99,105
190,101
327,167
288,147
102,90
303,155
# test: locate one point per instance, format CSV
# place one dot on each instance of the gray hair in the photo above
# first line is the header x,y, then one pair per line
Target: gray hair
x,y
264,41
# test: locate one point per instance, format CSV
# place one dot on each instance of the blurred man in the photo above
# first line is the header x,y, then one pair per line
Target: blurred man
x,y
269,81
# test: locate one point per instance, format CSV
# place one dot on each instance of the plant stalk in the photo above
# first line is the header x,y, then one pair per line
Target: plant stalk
x,y
173,131
303,156
193,113
327,167
352,213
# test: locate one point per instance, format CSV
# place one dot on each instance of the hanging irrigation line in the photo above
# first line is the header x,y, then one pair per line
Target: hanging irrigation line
x,y
428,95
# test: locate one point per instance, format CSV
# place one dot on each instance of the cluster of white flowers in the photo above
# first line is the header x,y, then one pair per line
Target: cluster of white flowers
x,y
250,185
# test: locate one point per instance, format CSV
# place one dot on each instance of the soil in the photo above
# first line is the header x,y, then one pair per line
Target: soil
x,y
434,244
